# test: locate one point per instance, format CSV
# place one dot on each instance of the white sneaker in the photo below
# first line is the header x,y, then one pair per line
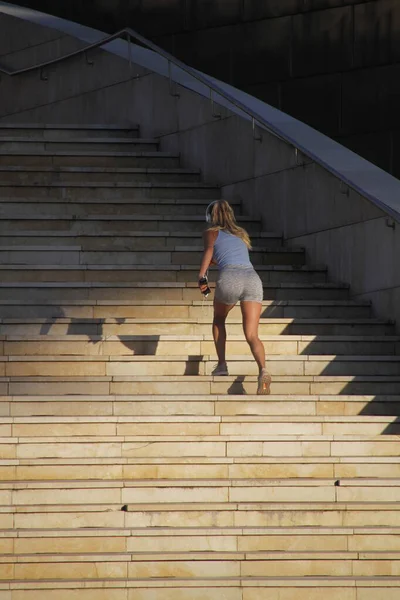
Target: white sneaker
x,y
220,370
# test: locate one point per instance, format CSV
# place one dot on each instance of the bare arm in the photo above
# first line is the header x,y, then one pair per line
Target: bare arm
x,y
209,238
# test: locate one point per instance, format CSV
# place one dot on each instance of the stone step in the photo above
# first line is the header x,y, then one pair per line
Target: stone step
x,y
219,426
41,254
22,144
117,224
99,338
65,158
203,468
118,565
200,405
28,519
200,384
88,176
111,191
94,291
345,310
191,365
214,588
156,267
59,132
47,207
202,446
130,240
218,491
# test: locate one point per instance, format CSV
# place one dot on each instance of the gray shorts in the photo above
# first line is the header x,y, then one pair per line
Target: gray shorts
x,y
238,284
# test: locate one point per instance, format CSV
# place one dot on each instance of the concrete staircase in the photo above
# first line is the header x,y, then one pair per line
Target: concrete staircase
x,y
127,472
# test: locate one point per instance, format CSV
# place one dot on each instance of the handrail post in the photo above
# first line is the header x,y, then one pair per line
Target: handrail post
x,y
171,84
128,39
89,62
213,113
259,138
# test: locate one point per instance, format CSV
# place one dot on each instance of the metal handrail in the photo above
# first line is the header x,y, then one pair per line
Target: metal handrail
x,y
255,118
130,34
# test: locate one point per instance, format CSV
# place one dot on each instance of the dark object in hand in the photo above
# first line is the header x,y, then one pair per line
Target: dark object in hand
x,y
204,281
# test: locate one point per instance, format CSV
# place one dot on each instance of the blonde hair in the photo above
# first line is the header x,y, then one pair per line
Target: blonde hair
x,y
223,217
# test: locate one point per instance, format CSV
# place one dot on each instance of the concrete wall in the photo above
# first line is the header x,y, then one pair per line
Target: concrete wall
x,y
338,227
333,64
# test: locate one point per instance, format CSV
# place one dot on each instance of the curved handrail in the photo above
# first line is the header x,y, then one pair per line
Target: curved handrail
x,y
246,111
131,34
60,59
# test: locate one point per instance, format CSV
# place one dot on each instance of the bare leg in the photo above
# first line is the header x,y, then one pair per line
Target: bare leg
x,y
251,312
219,331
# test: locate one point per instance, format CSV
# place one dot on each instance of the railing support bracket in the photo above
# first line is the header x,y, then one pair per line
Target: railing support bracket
x,y
257,138
344,189
391,223
172,90
88,61
214,114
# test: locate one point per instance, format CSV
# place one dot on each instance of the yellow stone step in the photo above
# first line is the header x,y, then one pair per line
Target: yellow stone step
x,y
168,491
93,566
240,588
194,385
245,427
197,446
94,291
100,339
211,468
191,515
151,309
164,365
200,405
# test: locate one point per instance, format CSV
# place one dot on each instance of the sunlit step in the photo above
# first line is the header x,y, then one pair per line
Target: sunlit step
x,y
189,446
95,291
25,309
201,468
201,405
212,515
100,338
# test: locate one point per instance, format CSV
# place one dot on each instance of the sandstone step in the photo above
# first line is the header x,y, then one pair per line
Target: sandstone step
x,y
246,426
190,446
112,191
214,446
100,338
217,588
284,542
201,468
161,491
58,131
129,240
184,309
65,158
180,365
143,266
18,143
193,515
94,291
88,176
200,384
233,406
117,565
